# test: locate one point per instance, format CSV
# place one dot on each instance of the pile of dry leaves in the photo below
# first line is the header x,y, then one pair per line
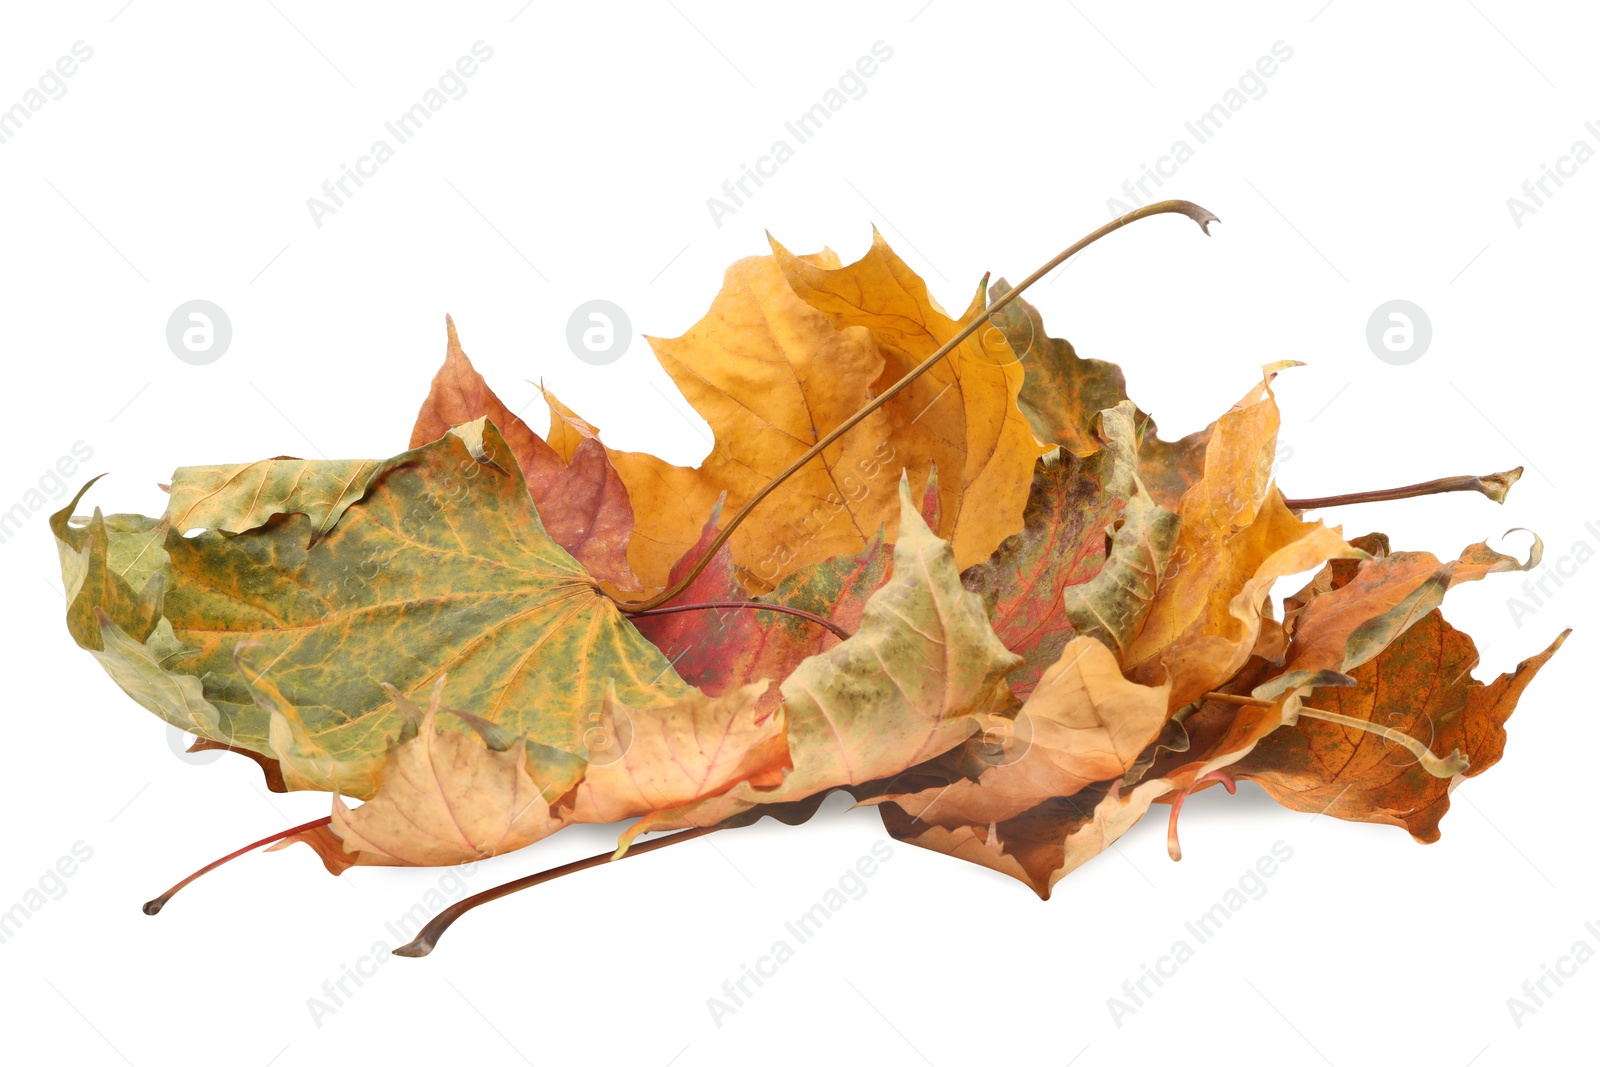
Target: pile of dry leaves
x,y
998,606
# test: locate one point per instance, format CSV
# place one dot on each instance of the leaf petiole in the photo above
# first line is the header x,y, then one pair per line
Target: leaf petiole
x,y
153,907
428,938
1493,486
1232,698
753,605
1448,767
1173,849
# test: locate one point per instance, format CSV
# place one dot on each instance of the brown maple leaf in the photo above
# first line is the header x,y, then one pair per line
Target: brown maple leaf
x,y
1352,609
1419,685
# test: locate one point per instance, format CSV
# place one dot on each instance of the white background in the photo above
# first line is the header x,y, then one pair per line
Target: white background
x,y
1376,166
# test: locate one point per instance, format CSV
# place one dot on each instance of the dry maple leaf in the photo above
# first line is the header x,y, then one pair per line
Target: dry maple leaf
x,y
962,414
242,496
580,499
773,372
99,576
141,669
1091,553
771,376
922,671
1063,393
1038,847
401,590
1033,581
1420,685
1352,610
446,797
1235,539
1085,723
666,758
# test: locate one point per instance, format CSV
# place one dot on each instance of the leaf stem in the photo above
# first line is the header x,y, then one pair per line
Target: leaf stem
x,y
1182,207
1493,486
1230,698
1448,767
1173,848
753,605
428,938
153,907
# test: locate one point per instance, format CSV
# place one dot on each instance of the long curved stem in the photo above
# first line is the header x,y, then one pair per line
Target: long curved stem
x,y
1446,767
153,907
753,605
1493,486
1439,767
428,938
1182,207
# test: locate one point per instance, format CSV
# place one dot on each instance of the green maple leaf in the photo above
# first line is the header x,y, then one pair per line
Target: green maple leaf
x,y
441,568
